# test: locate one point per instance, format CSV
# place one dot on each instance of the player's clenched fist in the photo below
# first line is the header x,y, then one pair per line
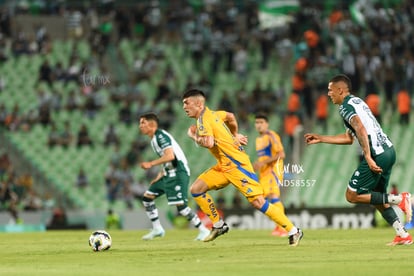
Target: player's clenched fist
x,y
311,138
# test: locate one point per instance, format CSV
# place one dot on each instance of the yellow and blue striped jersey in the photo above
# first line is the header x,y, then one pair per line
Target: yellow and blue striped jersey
x,y
267,146
227,149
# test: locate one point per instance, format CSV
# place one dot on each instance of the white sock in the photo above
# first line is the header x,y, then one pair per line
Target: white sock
x,y
399,229
156,224
293,231
152,213
219,224
394,199
202,228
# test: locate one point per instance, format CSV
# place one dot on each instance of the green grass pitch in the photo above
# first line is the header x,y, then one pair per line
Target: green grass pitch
x,y
249,252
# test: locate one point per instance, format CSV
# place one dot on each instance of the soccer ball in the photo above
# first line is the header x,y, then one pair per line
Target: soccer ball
x,y
100,240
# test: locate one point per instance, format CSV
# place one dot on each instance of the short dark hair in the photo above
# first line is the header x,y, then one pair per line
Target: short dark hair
x,y
150,116
193,92
343,78
262,116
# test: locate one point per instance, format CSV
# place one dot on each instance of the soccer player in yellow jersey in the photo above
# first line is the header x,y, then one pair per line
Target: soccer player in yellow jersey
x,y
269,165
218,132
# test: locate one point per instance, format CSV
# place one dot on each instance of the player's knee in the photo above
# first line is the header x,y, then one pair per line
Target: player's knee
x,y
198,187
257,202
148,197
181,207
194,190
351,200
351,196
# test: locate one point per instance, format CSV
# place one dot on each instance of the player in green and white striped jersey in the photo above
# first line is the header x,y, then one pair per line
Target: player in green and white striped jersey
x,y
172,180
369,182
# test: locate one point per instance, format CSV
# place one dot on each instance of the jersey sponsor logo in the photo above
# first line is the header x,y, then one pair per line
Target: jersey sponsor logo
x,y
357,173
163,140
356,101
249,191
244,182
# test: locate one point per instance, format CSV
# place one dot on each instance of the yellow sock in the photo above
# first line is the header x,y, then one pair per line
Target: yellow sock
x,y
206,203
279,217
280,206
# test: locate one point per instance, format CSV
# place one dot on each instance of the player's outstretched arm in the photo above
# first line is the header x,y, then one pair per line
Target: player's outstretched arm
x,y
312,138
339,139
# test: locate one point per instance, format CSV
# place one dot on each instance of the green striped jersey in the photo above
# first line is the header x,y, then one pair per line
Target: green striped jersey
x,y
163,140
353,106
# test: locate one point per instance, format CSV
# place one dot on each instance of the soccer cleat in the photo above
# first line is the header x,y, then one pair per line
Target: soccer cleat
x,y
279,231
215,232
401,241
155,233
406,206
295,238
203,233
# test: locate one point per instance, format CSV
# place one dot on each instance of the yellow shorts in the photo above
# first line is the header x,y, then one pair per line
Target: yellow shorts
x,y
242,178
270,183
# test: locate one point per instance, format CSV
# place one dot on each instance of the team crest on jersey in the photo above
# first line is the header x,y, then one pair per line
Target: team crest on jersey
x,y
244,182
201,128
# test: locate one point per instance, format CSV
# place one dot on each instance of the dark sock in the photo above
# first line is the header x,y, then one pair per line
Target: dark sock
x,y
389,215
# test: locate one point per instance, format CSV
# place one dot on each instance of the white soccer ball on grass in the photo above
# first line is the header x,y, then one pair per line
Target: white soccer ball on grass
x,y
100,240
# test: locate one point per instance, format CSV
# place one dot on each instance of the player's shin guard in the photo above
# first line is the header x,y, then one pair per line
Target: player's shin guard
x,y
378,198
276,202
206,204
277,216
152,211
392,218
